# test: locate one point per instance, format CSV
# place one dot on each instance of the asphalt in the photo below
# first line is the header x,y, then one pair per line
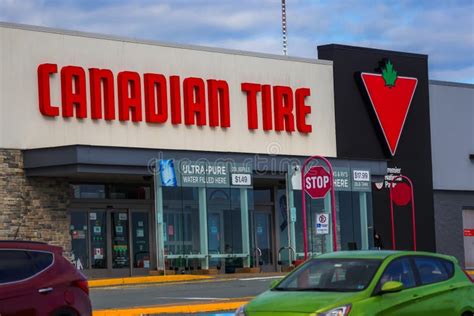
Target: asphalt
x,y
216,290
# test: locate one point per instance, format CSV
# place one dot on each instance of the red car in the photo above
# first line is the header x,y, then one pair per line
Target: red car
x,y
35,279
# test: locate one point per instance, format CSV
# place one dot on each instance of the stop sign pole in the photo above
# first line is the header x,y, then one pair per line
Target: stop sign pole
x,y
333,203
412,199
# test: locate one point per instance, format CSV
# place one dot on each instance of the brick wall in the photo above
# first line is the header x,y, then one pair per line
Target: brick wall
x,y
39,204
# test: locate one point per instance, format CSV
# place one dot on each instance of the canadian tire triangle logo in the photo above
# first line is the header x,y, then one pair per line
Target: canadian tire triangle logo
x,y
391,97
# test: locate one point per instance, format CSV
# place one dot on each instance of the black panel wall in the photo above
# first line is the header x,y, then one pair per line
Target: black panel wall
x,y
359,136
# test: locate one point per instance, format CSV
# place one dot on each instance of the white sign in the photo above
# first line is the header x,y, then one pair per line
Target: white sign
x,y
322,224
295,172
241,179
23,126
361,175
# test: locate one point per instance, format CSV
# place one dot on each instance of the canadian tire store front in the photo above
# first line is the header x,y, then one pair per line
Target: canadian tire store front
x,y
138,156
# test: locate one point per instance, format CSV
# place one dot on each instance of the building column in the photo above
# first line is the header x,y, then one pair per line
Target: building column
x,y
159,230
328,244
244,218
363,221
292,217
203,227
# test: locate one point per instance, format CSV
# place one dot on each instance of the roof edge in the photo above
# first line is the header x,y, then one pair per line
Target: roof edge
x,y
452,84
373,50
44,29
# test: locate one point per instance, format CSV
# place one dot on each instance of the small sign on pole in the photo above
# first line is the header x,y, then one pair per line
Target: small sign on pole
x,y
322,224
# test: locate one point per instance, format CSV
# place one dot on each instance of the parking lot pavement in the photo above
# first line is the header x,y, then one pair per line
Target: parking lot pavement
x,y
224,293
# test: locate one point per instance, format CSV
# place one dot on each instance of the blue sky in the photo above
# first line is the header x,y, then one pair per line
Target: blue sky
x,y
442,29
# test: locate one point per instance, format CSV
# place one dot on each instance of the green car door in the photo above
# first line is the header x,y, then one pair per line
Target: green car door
x,y
399,303
429,283
439,290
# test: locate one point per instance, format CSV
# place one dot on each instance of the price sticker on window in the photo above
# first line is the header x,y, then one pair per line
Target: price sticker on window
x,y
243,179
361,175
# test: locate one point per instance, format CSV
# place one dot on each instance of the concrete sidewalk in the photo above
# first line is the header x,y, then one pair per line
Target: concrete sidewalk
x,y
146,280
174,278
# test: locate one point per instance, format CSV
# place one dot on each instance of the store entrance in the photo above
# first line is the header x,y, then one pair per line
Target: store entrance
x,y
111,242
263,237
265,224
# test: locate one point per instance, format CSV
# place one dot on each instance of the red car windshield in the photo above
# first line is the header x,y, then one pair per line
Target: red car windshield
x,y
335,275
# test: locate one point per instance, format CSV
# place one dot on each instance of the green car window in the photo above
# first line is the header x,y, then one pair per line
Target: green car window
x,y
338,275
399,270
431,270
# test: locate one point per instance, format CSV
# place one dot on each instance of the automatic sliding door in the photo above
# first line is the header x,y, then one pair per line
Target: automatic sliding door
x,y
140,240
98,239
120,240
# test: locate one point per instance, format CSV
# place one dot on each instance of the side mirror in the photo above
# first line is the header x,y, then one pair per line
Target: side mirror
x,y
274,283
391,287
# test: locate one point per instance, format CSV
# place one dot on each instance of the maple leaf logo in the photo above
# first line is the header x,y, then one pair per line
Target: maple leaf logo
x,y
390,102
389,74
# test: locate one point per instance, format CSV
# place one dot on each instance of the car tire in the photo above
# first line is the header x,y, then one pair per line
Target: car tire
x,y
467,314
65,312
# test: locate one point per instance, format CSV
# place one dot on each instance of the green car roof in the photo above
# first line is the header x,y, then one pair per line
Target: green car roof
x,y
374,254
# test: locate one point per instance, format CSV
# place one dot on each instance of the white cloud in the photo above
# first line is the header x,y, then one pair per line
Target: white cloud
x,y
444,31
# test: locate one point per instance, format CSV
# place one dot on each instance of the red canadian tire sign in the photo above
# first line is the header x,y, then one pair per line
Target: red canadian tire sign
x,y
390,96
317,182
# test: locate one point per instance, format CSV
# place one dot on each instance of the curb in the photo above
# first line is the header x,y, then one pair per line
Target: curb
x,y
173,309
145,280
471,272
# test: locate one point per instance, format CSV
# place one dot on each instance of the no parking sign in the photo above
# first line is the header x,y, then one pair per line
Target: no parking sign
x,y
322,224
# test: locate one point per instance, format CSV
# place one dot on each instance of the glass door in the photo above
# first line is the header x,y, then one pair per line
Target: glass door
x,y
140,241
98,239
263,239
120,239
79,237
215,238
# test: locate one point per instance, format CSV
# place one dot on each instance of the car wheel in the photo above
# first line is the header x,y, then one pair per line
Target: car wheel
x,y
467,314
65,312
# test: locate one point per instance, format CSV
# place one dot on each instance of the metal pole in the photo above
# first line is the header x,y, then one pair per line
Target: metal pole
x,y
303,202
283,26
413,221
288,213
413,213
333,204
392,222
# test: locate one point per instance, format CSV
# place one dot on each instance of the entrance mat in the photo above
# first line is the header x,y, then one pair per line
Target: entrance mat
x,y
146,280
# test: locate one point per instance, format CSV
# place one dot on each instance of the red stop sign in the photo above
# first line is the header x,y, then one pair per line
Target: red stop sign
x,y
317,182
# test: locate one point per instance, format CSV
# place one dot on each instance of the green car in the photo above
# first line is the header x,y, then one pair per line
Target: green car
x,y
369,283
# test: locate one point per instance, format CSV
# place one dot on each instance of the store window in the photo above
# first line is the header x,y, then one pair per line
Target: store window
x,y
353,216
224,221
181,220
224,227
88,191
111,191
110,238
